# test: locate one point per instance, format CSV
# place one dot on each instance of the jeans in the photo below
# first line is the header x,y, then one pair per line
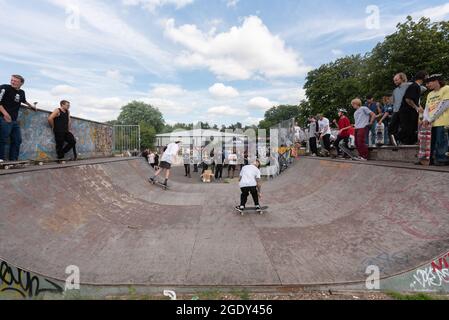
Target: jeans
x,y
62,138
373,135
313,146
10,131
439,145
337,143
245,193
219,171
360,144
387,134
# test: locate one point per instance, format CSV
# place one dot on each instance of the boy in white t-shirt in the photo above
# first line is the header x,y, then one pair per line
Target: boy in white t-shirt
x,y
166,161
250,183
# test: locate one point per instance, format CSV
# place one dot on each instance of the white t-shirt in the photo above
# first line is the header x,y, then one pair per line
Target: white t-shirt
x,y
151,158
172,151
233,159
248,175
325,123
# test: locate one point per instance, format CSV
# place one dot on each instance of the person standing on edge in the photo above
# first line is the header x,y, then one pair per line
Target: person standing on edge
x,y
11,99
152,159
232,164
325,132
166,161
410,110
60,122
362,123
436,115
313,131
377,109
219,160
249,182
388,112
343,135
401,82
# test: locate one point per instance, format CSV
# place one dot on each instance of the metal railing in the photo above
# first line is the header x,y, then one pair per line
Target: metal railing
x,y
126,139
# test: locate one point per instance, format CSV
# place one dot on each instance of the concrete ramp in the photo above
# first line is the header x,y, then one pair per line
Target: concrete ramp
x,y
327,222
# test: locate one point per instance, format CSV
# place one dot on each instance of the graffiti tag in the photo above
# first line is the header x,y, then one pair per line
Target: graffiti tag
x,y
16,280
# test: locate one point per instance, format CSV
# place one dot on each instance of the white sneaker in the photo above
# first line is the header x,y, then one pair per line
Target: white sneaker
x,y
362,159
1,160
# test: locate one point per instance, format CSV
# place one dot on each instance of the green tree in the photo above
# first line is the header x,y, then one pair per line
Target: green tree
x,y
137,112
278,114
334,85
147,136
413,47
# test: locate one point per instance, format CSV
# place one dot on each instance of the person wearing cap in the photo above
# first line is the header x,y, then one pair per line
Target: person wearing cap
x,y
410,110
436,115
167,159
343,134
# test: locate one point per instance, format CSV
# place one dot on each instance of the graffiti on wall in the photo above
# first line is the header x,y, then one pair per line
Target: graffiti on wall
x,y
93,139
17,283
432,277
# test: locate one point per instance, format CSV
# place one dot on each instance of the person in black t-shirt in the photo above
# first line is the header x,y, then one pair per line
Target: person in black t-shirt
x,y
410,110
60,122
11,99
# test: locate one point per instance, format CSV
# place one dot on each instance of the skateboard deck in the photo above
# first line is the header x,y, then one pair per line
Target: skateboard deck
x,y
425,140
263,208
163,186
380,135
13,164
349,153
52,161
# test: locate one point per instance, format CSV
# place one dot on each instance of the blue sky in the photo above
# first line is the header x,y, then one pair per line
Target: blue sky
x,y
220,61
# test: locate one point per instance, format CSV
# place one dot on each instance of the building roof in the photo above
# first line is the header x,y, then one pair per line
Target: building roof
x,y
199,133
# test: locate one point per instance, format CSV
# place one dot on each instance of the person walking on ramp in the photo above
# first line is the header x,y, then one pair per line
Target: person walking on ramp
x,y
60,122
166,162
250,183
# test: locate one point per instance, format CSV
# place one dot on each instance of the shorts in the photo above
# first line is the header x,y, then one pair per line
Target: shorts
x,y
165,165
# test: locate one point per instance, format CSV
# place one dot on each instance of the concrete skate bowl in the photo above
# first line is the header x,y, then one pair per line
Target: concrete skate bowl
x,y
327,222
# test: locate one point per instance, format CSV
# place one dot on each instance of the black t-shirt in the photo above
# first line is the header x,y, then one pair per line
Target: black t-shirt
x,y
62,122
413,93
11,99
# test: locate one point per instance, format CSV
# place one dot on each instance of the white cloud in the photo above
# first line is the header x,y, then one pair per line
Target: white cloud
x,y
242,53
152,5
62,90
227,111
219,90
261,103
337,52
116,75
167,107
167,90
232,3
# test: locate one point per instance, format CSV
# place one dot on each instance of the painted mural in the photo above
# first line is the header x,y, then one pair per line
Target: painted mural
x,y
94,139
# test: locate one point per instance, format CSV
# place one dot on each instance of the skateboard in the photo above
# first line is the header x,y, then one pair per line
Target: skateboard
x,y
380,135
155,182
425,139
253,209
43,162
13,164
349,153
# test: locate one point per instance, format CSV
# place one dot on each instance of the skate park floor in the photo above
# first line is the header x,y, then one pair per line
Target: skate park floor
x,y
327,221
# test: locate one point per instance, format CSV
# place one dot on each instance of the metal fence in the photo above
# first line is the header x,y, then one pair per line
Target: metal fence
x,y
126,139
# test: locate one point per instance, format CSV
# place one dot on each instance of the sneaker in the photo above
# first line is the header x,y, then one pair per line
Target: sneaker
x,y
259,209
240,209
393,141
447,155
1,160
152,180
361,159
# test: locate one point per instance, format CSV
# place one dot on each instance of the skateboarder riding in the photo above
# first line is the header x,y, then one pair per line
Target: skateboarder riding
x,y
250,183
166,161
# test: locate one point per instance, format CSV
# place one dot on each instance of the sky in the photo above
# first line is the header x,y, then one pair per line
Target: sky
x,y
216,61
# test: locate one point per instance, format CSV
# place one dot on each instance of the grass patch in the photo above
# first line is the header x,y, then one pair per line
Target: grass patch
x,y
415,296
